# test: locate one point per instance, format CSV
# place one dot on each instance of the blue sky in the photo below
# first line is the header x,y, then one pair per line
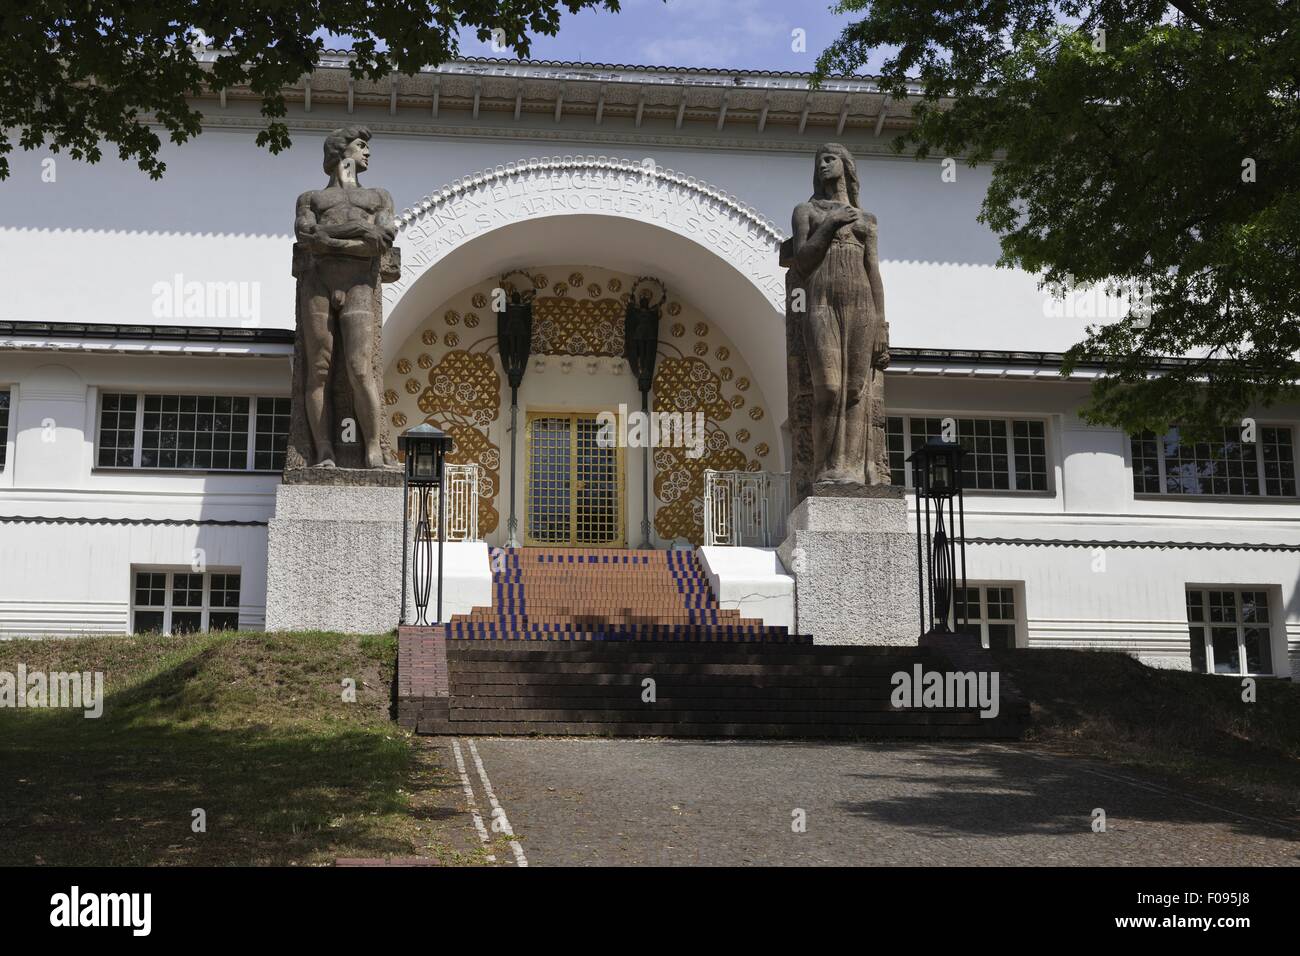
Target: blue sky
x,y
727,34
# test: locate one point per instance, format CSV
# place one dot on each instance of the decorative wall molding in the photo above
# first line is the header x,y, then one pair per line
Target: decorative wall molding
x,y
482,202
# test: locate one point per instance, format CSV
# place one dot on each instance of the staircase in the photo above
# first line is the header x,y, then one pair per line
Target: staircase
x,y
594,594
633,643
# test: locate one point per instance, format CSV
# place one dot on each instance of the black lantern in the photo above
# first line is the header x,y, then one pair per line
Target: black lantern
x,y
425,449
937,475
641,348
515,342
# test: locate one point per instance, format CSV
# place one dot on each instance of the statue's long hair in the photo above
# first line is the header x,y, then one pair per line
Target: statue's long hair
x,y
850,173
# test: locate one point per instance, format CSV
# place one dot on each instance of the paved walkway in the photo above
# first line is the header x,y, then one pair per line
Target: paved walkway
x,y
627,802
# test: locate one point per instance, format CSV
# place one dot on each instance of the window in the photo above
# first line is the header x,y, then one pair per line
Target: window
x,y
183,602
272,434
1225,466
1229,631
192,432
1003,454
990,613
4,426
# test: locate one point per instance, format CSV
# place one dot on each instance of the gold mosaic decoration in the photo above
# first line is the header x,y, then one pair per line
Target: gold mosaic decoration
x,y
463,398
689,385
458,387
679,484
564,326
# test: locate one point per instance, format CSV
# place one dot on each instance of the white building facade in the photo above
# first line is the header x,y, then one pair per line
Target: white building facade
x,y
147,332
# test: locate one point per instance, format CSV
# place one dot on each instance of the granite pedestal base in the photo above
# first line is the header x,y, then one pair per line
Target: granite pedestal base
x,y
854,564
334,560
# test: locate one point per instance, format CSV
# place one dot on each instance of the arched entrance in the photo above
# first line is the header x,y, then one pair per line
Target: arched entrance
x,y
588,228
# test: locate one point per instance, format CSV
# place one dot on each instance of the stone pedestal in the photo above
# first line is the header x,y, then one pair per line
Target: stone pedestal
x,y
334,560
853,559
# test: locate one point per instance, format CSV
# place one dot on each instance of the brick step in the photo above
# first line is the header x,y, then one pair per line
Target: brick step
x,y
671,704
945,718
986,729
701,631
621,654
831,652
771,672
484,684
612,639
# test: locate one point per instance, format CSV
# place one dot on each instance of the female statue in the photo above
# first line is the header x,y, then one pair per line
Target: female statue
x,y
837,304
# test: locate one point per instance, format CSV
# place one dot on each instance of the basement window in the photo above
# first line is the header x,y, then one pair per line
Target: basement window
x,y
990,614
1230,631
184,602
4,427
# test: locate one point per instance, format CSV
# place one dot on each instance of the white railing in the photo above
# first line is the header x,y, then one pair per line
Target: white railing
x,y
462,504
745,508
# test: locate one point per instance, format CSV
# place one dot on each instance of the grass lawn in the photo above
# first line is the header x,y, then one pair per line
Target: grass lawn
x,y
252,728
1191,729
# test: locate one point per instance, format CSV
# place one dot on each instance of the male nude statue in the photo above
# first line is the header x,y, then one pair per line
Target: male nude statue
x,y
343,232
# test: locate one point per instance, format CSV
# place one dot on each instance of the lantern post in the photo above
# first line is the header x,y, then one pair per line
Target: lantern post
x,y
514,342
938,477
425,449
641,348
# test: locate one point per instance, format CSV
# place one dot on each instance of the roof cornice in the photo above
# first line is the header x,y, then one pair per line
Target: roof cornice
x,y
777,106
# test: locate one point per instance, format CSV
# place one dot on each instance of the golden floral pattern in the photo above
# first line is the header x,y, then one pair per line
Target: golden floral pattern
x,y
564,326
458,387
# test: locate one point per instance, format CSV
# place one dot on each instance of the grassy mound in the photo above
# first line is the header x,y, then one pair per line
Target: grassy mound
x,y
251,728
1194,728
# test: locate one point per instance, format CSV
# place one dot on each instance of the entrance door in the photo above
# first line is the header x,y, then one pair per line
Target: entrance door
x,y
575,487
